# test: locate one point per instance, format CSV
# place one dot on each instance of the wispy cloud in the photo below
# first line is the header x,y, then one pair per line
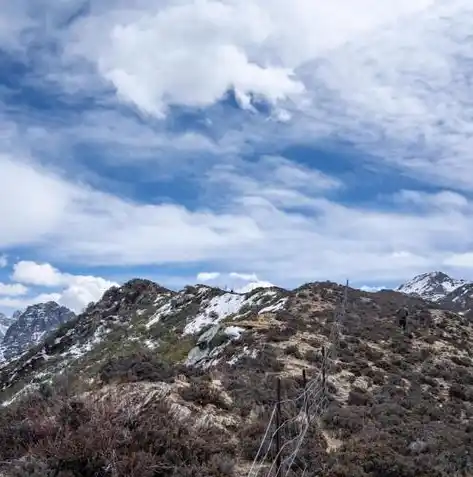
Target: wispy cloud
x,y
330,240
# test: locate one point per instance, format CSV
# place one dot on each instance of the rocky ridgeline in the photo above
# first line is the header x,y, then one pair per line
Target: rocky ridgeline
x,y
203,361
143,314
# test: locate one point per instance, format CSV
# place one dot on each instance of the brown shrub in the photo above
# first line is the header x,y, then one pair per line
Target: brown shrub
x,y
293,350
201,393
96,439
141,366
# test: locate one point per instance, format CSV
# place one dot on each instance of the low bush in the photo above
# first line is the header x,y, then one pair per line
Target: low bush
x,y
293,350
141,366
90,439
202,393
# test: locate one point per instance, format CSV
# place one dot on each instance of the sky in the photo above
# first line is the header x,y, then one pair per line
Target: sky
x,y
224,142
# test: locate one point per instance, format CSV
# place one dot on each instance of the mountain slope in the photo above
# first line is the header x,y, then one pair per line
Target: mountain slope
x,y
31,326
395,404
460,300
5,323
433,286
142,313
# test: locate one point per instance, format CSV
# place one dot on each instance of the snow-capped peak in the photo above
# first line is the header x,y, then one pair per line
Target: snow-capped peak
x,y
432,286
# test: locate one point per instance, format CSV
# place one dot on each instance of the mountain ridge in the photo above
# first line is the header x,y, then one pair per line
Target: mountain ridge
x,y
206,362
433,286
449,293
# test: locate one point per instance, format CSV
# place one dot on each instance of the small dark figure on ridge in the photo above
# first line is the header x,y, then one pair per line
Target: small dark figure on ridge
x,y
402,315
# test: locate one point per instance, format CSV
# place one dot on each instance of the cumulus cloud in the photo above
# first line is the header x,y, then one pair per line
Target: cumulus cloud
x,y
76,290
32,273
212,40
81,290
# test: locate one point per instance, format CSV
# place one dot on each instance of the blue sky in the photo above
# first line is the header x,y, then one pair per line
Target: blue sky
x,y
278,141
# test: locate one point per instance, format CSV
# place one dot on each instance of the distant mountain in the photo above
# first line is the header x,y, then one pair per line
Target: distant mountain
x,y
433,286
31,325
5,323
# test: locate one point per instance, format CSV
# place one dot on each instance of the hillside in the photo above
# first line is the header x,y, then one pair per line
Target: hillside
x,y
108,393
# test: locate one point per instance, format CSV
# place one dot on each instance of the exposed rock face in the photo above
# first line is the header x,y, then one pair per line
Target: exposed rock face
x,y
32,325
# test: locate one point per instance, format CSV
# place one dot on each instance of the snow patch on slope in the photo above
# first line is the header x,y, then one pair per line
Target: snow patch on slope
x,y
279,305
218,308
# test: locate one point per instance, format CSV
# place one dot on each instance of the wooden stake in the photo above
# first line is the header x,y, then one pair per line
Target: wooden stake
x,y
306,401
324,364
278,430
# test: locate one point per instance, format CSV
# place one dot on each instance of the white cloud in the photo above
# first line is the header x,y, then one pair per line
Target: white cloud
x,y
253,285
33,273
21,303
77,291
390,77
238,282
253,228
12,289
244,276
3,261
39,199
121,44
81,290
460,260
207,276
255,47
372,289
442,200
